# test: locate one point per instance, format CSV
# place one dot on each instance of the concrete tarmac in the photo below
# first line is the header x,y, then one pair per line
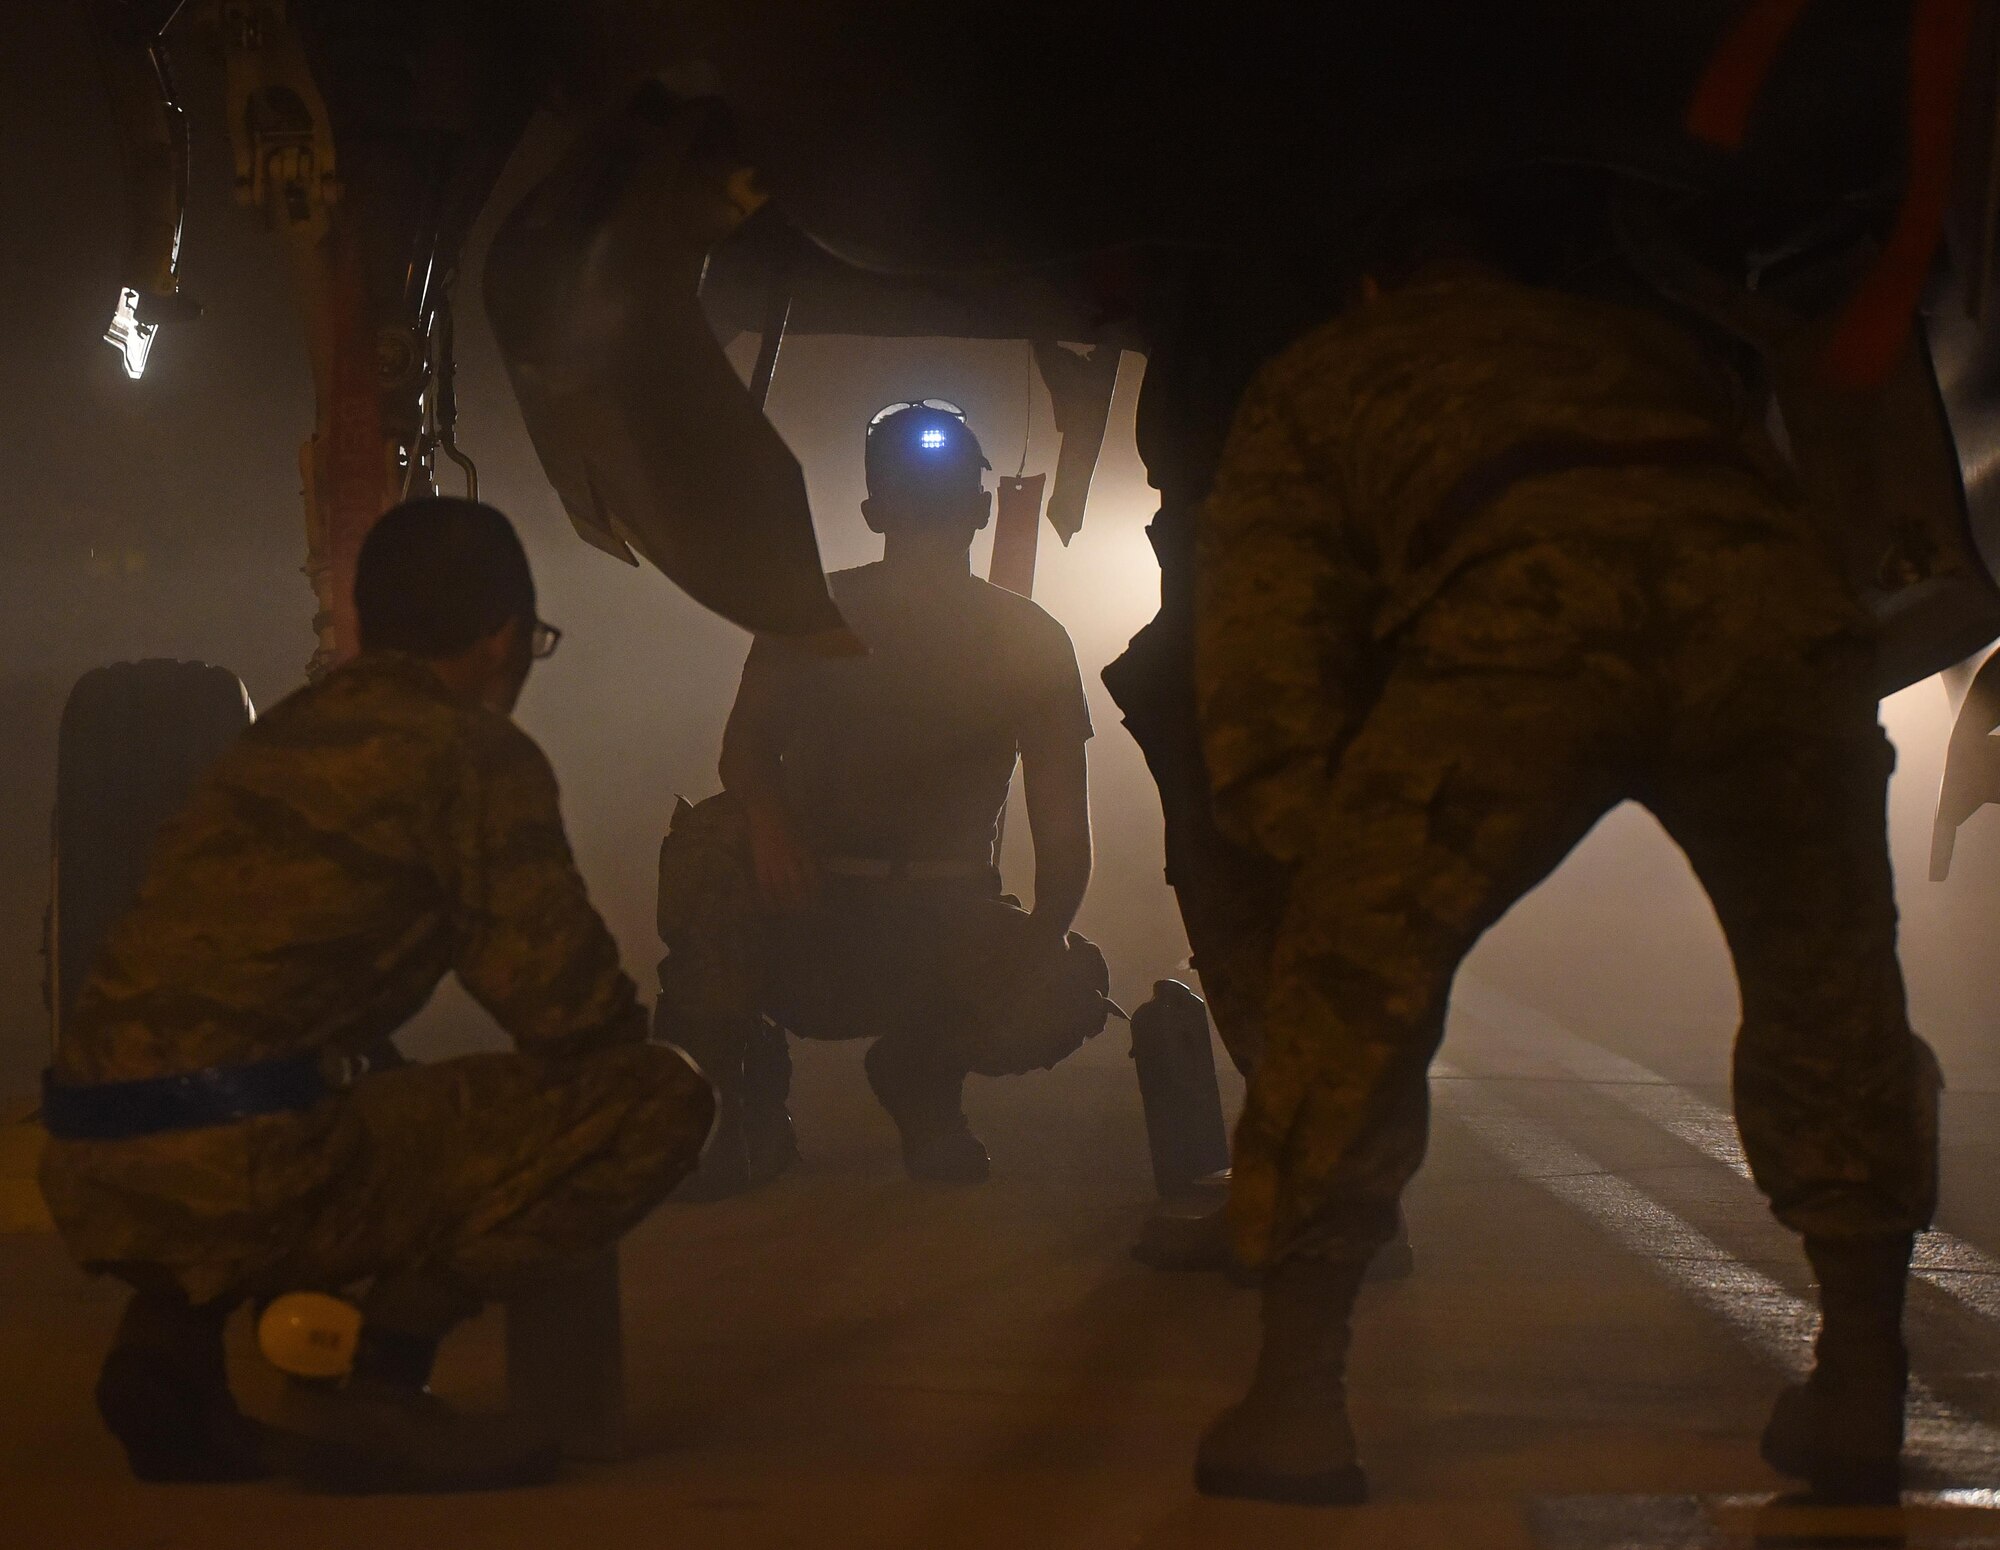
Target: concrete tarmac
x,y
1601,1313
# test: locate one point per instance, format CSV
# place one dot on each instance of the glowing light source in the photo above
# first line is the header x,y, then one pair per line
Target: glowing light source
x,y
932,439
133,339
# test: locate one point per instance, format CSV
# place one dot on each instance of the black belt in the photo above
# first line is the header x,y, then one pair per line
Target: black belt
x,y
192,1100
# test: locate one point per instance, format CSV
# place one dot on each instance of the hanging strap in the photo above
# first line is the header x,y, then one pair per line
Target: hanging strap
x,y
1876,320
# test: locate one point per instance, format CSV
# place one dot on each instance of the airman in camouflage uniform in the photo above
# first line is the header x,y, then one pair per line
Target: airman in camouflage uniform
x,y
1481,562
372,833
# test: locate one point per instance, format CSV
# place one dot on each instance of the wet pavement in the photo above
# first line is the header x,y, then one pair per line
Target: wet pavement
x,y
1600,1316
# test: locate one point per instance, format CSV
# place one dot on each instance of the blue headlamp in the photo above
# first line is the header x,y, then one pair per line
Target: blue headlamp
x,y
926,443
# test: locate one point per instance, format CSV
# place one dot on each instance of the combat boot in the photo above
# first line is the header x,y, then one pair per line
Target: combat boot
x,y
1842,1429
1289,1439
925,1097
383,1431
753,1142
751,1146
164,1394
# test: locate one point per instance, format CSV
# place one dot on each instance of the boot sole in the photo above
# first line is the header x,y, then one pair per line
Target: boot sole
x,y
1842,1483
1335,1488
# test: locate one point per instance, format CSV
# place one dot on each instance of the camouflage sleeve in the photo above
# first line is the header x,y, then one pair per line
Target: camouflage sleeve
x,y
531,949
1282,629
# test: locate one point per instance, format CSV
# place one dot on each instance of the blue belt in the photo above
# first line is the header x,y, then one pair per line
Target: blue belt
x,y
192,1100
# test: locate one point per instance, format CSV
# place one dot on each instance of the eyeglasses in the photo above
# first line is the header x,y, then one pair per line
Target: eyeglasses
x,y
940,405
543,640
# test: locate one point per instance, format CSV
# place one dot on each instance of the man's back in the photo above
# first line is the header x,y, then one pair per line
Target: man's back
x,y
906,753
329,871
1401,408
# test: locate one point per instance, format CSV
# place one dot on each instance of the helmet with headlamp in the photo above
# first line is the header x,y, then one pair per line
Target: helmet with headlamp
x,y
922,448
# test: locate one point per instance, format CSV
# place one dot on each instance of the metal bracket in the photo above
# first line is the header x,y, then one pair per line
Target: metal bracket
x,y
1080,389
130,38
278,123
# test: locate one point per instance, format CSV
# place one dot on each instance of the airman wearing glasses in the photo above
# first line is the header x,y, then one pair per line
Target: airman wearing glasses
x,y
230,1121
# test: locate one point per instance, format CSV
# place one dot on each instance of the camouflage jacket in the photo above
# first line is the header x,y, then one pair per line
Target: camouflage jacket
x,y
1323,533
367,836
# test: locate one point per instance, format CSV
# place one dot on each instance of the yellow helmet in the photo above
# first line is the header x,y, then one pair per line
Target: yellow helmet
x,y
309,1334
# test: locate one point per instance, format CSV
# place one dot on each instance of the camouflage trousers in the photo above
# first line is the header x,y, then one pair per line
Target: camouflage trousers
x,y
442,1184
1720,677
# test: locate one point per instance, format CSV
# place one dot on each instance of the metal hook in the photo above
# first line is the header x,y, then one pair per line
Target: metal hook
x,y
445,414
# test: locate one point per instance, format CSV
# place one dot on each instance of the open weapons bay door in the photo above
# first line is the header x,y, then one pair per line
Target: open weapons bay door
x,y
650,439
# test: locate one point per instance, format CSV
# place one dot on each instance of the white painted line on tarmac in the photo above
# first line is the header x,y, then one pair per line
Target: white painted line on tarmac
x,y
1966,1274
1776,1322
